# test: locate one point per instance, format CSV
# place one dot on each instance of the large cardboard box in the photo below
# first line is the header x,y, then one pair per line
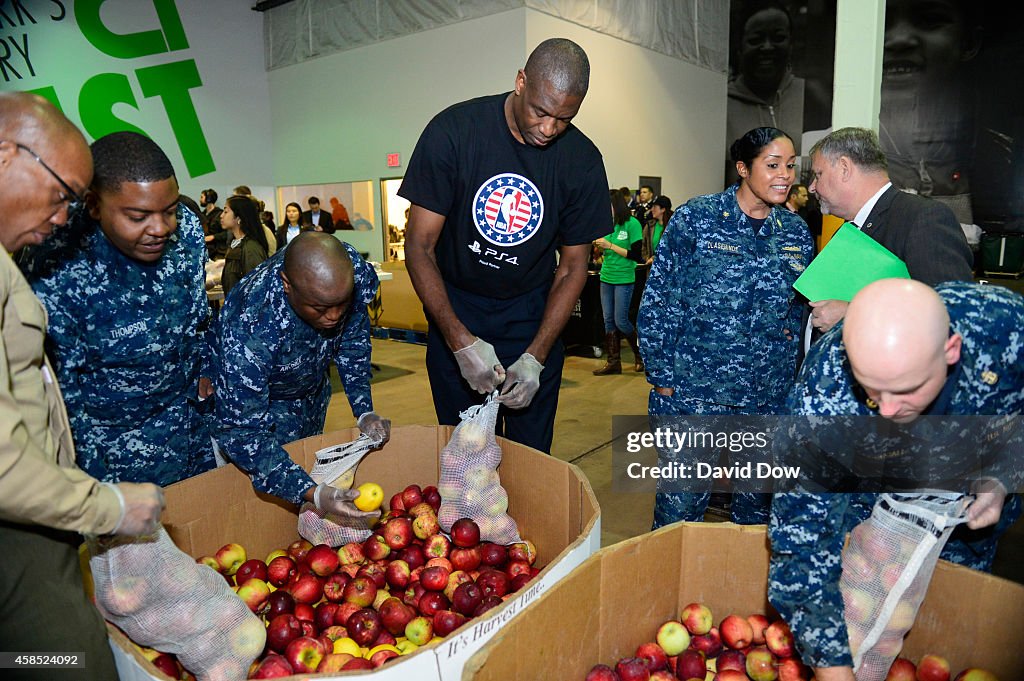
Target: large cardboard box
x,y
551,501
617,599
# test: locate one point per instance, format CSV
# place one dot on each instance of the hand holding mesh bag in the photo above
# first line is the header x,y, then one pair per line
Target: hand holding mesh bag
x,y
161,598
332,519
886,570
469,484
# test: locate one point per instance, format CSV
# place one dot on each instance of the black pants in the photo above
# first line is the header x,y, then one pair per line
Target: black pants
x,y
43,607
510,326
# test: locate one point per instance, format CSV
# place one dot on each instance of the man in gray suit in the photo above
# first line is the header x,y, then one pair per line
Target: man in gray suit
x,y
850,177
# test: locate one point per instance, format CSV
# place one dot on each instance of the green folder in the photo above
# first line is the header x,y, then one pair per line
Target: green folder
x,y
850,261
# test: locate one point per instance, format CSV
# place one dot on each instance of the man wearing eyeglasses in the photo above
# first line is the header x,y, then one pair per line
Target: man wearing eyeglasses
x,y
44,498
124,288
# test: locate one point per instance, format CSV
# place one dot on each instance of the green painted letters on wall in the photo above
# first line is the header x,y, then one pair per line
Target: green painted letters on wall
x,y
172,82
96,104
132,45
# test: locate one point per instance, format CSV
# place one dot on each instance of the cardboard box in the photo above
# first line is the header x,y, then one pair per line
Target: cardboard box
x,y
551,501
618,598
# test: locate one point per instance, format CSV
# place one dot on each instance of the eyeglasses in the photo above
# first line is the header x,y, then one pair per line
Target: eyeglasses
x,y
75,201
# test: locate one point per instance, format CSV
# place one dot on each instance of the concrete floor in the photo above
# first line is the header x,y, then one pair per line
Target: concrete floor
x,y
583,433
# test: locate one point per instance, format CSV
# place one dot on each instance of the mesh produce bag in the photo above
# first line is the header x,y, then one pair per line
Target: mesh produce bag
x,y
336,466
162,598
886,570
469,484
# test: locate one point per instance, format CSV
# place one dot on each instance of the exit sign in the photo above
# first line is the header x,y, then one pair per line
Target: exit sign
x,y
393,161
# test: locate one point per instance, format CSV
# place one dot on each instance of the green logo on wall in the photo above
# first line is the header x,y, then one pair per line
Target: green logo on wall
x,y
99,94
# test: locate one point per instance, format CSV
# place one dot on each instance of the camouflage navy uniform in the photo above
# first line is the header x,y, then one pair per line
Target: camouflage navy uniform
x,y
719,324
129,343
808,529
272,382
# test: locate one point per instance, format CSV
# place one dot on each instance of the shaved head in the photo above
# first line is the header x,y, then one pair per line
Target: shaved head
x,y
561,63
898,341
318,279
40,152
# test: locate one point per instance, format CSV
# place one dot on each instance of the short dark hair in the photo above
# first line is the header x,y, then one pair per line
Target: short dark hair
x,y
794,189
211,195
127,157
562,63
647,187
860,145
747,148
312,199
620,211
625,192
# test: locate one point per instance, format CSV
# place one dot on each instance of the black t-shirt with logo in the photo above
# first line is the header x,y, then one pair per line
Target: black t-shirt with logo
x,y
508,205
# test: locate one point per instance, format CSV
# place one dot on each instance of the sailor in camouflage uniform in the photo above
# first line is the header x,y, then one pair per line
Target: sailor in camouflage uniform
x,y
124,288
278,332
978,371
719,318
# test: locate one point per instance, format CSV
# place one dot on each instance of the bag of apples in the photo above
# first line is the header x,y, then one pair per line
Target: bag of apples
x,y
469,484
336,466
162,598
886,570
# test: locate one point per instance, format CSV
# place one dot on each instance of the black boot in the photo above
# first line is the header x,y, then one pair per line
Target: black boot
x,y
638,362
612,364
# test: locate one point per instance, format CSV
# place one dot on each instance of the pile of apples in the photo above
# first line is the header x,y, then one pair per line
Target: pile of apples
x,y
363,604
692,649
933,668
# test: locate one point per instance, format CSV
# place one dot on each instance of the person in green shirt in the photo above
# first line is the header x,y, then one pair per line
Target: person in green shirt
x,y
623,249
661,212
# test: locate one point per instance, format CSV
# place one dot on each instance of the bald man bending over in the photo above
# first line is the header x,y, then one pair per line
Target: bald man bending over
x,y
905,350
45,499
280,328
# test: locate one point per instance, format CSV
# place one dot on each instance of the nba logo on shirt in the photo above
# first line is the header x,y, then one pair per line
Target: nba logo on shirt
x,y
508,209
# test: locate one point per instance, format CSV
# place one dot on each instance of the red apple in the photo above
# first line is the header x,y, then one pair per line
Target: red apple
x,y
351,554
360,591
425,525
443,562
465,533
731,675
397,574
254,567
517,567
304,612
414,556
322,560
323,615
736,632
334,587
230,557
761,664
434,578
902,669
493,555
168,664
307,589
364,626
357,663
396,503
413,593
254,593
394,615
791,669
466,559
654,655
376,547
272,667
710,643
437,546
281,571
632,669
298,550
412,495
422,508
398,533
465,598
382,656
375,572
731,659
304,654
431,602
496,583
385,638
779,639
454,580
602,672
518,582
344,611
691,664
446,621
697,619
432,497
279,603
281,631
334,632
524,550
933,668
758,623
486,604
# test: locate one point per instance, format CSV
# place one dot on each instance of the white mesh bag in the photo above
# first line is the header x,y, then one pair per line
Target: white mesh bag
x,y
886,570
162,598
336,466
469,484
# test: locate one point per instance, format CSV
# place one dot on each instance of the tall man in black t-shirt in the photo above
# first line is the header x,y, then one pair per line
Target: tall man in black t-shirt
x,y
498,185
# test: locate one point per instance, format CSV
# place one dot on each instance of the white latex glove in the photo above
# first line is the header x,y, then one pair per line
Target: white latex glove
x,y
480,366
338,502
989,495
141,506
521,382
376,427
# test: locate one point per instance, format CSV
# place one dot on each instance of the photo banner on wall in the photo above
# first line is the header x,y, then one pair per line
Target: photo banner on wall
x,y
112,64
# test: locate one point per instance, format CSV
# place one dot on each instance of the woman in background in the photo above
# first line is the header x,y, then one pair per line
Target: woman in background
x,y
249,242
292,226
622,251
